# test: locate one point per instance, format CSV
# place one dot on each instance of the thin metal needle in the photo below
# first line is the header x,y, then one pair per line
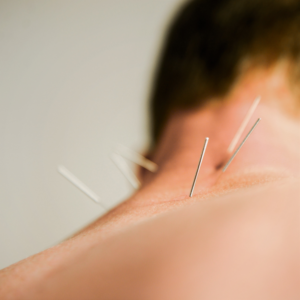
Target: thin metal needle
x,y
120,162
199,165
243,125
240,146
136,158
80,185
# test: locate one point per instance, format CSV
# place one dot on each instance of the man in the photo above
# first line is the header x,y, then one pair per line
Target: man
x,y
238,236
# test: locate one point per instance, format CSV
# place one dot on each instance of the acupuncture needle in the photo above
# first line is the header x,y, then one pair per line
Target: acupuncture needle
x,y
199,166
240,146
136,158
79,184
120,162
243,125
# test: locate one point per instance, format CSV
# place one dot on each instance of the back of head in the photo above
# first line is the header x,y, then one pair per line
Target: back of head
x,y
209,41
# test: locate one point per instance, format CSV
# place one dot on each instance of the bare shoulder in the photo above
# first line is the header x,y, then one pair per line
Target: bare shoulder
x,y
243,245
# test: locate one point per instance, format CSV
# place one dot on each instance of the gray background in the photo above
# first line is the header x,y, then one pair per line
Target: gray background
x,y
74,81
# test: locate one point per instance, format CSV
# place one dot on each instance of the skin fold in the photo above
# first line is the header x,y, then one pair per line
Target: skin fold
x,y
238,237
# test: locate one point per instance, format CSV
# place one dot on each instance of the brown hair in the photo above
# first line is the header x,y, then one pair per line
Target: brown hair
x,y
206,44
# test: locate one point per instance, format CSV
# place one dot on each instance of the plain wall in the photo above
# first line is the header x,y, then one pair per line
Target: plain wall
x,y
74,82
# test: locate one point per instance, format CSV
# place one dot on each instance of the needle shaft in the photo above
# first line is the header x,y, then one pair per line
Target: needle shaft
x,y
78,183
199,166
243,125
240,146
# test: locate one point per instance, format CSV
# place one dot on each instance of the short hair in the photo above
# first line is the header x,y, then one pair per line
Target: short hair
x,y
206,45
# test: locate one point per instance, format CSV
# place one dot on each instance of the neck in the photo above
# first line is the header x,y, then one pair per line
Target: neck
x,y
270,152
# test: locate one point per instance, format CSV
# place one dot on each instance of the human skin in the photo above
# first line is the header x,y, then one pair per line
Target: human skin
x,y
238,237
